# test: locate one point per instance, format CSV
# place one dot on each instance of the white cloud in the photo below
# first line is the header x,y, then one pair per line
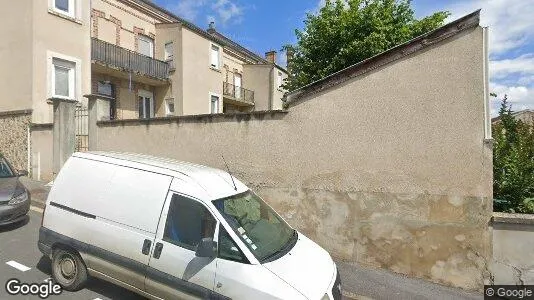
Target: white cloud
x,y
520,97
227,10
188,9
510,21
522,66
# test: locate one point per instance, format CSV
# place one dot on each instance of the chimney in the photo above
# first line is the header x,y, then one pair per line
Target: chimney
x,y
271,56
211,27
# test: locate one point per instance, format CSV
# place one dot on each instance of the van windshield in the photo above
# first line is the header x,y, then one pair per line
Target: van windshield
x,y
264,232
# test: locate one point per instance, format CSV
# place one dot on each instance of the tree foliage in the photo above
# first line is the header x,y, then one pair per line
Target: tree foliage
x,y
513,163
345,32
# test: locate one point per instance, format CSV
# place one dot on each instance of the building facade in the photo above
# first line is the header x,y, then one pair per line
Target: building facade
x,y
146,61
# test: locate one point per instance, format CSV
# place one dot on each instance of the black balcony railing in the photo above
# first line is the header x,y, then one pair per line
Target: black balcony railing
x,y
238,93
127,60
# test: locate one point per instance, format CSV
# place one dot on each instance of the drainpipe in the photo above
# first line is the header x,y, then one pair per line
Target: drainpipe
x,y
487,119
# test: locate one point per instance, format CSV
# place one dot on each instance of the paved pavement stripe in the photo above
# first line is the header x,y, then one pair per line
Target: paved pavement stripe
x,y
17,266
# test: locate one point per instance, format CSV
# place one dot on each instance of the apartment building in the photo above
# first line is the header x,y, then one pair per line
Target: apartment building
x,y
145,60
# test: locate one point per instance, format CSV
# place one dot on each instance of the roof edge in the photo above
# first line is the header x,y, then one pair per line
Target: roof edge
x,y
414,45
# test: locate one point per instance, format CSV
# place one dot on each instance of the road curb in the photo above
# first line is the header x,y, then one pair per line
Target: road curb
x,y
38,204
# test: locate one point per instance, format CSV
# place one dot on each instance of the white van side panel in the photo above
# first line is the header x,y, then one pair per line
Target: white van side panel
x,y
123,195
116,241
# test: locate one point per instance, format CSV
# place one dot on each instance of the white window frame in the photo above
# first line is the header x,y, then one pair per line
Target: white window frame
x,y
169,55
146,38
218,103
147,94
75,79
168,112
72,11
212,65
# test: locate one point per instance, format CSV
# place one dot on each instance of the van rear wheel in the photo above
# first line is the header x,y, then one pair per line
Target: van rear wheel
x,y
68,269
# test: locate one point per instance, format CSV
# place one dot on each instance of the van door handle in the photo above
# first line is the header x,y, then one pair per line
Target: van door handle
x,y
146,247
157,250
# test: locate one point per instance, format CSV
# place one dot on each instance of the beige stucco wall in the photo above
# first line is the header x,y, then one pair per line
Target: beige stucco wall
x,y
278,93
257,77
513,244
42,153
198,78
379,170
166,33
15,56
129,18
53,35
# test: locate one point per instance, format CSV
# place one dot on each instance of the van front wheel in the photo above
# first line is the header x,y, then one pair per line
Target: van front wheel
x,y
68,269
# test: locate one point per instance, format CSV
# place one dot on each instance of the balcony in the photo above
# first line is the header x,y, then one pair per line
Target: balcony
x,y
125,60
237,95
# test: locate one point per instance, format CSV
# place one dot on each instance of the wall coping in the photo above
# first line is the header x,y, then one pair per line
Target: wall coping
x,y
499,217
204,118
16,112
41,126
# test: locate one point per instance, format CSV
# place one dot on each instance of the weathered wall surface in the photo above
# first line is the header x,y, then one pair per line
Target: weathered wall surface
x,y
388,169
14,137
42,152
513,245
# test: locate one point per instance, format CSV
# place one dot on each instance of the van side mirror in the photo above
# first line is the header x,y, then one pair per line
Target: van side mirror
x,y
206,248
21,173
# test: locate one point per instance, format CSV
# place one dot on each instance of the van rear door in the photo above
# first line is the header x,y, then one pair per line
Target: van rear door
x,y
174,271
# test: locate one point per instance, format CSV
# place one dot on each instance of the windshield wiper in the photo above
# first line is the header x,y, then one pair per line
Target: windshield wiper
x,y
284,249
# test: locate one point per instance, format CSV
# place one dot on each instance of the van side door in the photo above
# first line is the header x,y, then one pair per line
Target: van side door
x,y
174,271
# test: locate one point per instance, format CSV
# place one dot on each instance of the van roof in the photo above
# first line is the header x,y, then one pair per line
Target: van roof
x,y
215,182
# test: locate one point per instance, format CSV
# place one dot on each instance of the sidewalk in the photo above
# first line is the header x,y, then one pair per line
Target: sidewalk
x,y
358,283
363,283
38,191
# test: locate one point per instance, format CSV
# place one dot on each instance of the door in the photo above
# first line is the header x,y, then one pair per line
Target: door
x,y
174,271
145,103
237,84
145,45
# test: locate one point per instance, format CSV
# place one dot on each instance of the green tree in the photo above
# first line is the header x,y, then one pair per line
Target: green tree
x,y
345,32
513,163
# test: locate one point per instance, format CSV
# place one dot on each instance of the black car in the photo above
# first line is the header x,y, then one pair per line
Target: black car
x,y
14,197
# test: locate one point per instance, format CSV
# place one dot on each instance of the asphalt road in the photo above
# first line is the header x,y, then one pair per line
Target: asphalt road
x,y
18,243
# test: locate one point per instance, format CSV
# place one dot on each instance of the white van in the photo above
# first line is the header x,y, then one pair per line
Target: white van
x,y
172,230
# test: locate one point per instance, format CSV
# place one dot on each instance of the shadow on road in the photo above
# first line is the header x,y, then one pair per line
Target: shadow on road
x,y
95,285
14,226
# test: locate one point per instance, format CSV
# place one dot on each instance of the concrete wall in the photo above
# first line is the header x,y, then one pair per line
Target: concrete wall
x,y
513,245
15,56
14,137
379,170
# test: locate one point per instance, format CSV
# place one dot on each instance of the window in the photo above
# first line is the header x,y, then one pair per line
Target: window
x,y
64,7
279,80
169,51
169,107
5,169
214,104
228,249
262,230
215,57
63,78
146,45
237,84
188,222
105,88
145,103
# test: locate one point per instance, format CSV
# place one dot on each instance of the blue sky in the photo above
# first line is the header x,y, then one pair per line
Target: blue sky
x,y
265,25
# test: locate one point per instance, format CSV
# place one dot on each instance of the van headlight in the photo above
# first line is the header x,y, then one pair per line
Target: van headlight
x,y
19,198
